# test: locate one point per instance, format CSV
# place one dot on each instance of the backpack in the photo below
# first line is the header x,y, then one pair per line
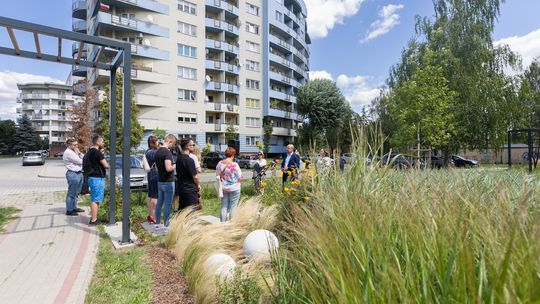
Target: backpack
x,y
87,165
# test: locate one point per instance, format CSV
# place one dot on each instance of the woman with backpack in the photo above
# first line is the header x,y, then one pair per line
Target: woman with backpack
x,y
149,164
228,174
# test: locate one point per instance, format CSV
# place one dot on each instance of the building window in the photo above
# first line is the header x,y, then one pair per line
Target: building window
x,y
188,136
188,95
186,50
187,73
187,117
253,103
253,47
252,140
186,28
279,16
187,7
252,65
252,28
253,122
252,84
252,9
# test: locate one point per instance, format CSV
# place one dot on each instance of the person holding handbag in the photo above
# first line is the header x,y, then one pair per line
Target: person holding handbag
x,y
149,165
228,175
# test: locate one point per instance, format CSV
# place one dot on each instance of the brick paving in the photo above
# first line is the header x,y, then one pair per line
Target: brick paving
x,y
45,256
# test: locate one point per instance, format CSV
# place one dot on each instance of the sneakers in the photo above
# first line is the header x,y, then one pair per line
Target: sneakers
x,y
78,210
72,213
94,223
161,229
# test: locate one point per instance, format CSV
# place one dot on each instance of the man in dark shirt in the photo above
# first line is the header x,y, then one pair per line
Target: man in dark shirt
x,y
188,178
165,166
94,165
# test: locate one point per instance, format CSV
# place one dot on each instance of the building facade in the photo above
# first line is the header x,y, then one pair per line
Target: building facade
x,y
48,105
205,69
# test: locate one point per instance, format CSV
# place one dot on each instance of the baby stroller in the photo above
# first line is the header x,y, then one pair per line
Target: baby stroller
x,y
259,178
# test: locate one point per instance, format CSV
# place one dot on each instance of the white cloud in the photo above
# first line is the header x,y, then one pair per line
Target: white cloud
x,y
528,46
324,14
358,90
388,19
9,90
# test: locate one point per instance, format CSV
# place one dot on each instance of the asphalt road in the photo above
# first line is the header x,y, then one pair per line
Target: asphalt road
x,y
16,179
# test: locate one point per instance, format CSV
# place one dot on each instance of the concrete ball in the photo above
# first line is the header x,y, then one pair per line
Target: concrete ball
x,y
260,243
220,265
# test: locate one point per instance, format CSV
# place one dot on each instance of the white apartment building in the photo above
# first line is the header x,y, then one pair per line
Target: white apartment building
x,y
199,67
48,105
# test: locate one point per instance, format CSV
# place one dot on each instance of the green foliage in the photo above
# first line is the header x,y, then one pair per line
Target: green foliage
x,y
103,124
240,289
7,136
25,137
206,149
529,95
267,131
6,215
159,133
231,133
120,277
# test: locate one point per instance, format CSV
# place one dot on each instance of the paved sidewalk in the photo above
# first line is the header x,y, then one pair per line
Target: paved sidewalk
x,y
46,256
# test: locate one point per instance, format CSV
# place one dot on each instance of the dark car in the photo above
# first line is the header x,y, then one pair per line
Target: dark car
x,y
247,161
211,159
398,161
462,162
59,154
437,162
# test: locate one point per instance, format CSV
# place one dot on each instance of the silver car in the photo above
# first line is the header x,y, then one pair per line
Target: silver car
x,y
138,179
33,158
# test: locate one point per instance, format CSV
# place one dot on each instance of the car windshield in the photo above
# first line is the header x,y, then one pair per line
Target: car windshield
x,y
134,162
32,154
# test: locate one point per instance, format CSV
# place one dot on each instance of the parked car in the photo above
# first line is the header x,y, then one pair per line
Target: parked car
x,y
138,179
45,153
398,161
33,158
462,162
211,159
59,154
349,157
247,161
437,162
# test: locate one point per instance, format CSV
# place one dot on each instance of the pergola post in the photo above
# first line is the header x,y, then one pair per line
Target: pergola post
x,y
530,144
126,128
112,147
509,149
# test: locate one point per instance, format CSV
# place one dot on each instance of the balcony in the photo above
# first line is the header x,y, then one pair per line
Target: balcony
x,y
221,66
51,128
280,78
222,87
150,100
147,5
149,52
217,5
282,114
18,110
115,22
280,60
222,25
222,45
79,9
283,131
282,96
75,49
59,139
281,44
79,26
80,71
145,74
284,29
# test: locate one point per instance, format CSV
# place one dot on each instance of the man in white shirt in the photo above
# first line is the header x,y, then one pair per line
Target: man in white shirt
x,y
73,162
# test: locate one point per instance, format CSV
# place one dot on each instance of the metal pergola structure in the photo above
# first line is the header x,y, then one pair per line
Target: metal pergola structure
x,y
529,144
121,60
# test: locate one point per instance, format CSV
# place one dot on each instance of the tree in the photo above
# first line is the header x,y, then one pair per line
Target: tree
x,y
103,124
325,110
529,94
7,136
422,107
231,133
267,137
159,133
25,135
81,119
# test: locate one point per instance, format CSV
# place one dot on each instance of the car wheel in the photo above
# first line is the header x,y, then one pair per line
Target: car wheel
x,y
205,165
246,166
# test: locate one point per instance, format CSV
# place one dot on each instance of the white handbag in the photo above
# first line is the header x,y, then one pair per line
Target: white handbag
x,y
219,187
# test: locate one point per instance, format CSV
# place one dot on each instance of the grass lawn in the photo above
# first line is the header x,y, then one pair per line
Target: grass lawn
x,y
6,215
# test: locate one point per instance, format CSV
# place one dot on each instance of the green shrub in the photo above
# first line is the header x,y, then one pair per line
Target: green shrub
x,y
240,289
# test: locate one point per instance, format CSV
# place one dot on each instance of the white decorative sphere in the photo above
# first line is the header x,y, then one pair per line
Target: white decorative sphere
x,y
221,265
260,242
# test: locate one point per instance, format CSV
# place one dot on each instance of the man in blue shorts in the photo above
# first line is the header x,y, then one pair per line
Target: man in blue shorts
x,y
94,165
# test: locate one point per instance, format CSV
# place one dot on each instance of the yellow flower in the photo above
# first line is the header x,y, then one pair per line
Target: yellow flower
x,y
286,189
263,184
289,172
295,182
307,198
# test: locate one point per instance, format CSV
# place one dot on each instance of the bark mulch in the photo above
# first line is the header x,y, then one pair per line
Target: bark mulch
x,y
170,285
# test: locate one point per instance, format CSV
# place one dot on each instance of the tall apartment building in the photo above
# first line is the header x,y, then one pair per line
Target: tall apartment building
x,y
199,67
48,107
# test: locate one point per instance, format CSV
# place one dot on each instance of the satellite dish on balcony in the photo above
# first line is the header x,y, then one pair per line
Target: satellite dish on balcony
x,y
150,18
208,78
147,42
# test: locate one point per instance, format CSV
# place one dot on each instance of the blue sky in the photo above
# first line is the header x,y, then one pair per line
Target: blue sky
x,y
354,42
